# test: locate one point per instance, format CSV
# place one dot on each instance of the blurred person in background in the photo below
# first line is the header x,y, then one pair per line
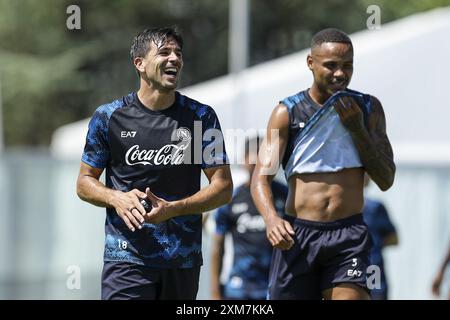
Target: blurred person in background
x,y
440,276
249,275
383,234
326,137
152,193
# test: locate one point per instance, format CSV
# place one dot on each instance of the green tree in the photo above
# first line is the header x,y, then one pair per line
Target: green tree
x,y
51,76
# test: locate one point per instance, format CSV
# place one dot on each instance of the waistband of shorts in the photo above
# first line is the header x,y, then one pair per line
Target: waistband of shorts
x,y
331,225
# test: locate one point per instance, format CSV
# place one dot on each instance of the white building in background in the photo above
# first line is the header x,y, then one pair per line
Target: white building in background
x,y
404,64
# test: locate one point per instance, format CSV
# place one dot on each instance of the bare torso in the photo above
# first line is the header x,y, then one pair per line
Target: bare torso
x,y
326,196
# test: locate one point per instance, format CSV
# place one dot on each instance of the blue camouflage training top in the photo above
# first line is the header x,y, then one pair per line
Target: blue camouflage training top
x,y
165,151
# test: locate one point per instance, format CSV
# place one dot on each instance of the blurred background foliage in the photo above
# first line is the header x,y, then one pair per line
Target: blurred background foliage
x,y
51,76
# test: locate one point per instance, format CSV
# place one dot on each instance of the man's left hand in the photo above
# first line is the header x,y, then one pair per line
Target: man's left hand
x,y
350,113
161,209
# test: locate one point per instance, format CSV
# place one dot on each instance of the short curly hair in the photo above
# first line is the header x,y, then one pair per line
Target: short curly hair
x,y
330,35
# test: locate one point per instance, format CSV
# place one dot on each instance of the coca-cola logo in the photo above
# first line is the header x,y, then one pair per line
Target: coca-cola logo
x,y
169,154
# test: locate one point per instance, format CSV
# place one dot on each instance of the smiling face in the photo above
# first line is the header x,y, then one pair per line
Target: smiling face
x,y
332,66
161,67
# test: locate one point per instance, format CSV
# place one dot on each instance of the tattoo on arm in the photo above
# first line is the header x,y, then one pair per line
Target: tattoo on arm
x,y
375,149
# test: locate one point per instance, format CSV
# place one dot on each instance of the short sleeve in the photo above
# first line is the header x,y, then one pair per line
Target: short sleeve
x,y
96,150
384,222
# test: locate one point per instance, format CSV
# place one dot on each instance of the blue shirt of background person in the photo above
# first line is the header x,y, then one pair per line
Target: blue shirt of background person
x,y
383,234
252,252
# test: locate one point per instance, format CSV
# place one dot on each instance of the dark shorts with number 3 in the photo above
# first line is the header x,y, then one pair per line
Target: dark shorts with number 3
x,y
324,255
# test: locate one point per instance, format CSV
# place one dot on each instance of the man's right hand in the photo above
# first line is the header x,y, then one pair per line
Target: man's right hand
x,y
280,232
129,207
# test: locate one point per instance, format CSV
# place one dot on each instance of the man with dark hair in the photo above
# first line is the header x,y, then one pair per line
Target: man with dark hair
x,y
330,35
249,275
142,42
327,136
149,143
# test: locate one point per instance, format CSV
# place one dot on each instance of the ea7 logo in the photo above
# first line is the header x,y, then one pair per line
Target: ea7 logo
x,y
127,134
354,273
